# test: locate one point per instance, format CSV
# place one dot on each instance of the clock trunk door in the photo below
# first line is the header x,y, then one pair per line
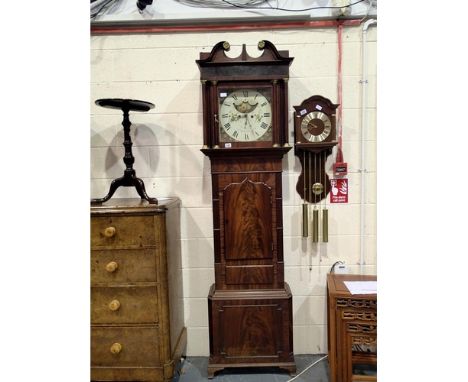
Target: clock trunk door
x,y
248,234
247,221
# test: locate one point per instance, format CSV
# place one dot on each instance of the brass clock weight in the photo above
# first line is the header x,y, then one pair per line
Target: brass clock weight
x,y
314,137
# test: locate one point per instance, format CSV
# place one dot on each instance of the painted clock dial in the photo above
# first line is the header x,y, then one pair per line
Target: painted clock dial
x,y
245,115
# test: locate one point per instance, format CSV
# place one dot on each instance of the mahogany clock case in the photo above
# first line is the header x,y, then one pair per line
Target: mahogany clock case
x,y
315,103
268,74
250,305
313,154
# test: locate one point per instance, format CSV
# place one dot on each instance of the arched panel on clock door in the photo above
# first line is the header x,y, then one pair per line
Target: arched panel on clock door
x,y
248,221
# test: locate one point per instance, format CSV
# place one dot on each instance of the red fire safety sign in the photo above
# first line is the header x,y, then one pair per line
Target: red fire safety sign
x,y
339,190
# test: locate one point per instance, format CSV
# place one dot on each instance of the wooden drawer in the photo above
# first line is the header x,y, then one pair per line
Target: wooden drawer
x,y
122,232
125,374
131,304
139,346
124,265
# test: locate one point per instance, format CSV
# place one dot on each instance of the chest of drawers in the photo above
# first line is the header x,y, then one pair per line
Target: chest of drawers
x,y
137,316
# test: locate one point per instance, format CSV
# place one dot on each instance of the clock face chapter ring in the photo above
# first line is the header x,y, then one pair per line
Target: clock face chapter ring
x,y
244,115
316,126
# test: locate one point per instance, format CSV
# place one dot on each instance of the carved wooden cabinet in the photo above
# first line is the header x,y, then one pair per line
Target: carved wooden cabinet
x,y
352,331
137,316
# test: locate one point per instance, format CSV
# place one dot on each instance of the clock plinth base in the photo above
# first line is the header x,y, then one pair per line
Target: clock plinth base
x,y
290,367
250,328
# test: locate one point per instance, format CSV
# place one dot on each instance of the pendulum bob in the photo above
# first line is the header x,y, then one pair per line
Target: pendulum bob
x,y
325,226
311,174
305,220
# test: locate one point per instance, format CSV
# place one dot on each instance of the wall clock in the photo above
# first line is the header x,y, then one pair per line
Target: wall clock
x,y
314,137
245,103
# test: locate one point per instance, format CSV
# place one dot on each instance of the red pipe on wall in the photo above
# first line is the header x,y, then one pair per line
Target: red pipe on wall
x,y
339,153
97,29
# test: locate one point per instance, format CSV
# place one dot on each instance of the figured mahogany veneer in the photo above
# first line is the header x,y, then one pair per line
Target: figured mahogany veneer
x,y
250,305
248,221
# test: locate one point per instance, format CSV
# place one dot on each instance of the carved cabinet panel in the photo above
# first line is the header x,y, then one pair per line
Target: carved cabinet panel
x,y
352,330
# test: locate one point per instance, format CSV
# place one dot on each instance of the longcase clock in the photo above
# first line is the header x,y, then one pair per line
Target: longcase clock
x,y
245,124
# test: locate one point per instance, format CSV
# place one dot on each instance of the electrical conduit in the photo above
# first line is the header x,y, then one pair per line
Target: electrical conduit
x,y
363,171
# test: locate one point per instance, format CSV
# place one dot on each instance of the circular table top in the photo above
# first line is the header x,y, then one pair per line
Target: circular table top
x,y
128,104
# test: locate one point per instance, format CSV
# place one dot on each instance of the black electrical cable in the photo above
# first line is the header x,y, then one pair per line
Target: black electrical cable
x,y
290,10
332,269
141,4
218,3
93,15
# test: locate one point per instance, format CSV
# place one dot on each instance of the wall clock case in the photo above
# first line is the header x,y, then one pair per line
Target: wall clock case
x,y
314,139
245,104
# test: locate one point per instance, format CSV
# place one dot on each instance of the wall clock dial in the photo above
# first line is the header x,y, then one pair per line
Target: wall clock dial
x,y
244,115
316,126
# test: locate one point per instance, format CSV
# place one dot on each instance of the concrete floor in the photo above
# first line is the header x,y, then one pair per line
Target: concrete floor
x,y
193,369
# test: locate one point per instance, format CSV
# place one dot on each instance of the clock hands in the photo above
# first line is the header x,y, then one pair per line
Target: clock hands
x,y
235,117
245,114
247,122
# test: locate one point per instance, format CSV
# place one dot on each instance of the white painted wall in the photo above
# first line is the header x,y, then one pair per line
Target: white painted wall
x,y
161,68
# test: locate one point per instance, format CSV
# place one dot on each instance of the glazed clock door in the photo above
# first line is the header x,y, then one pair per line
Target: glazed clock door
x,y
245,115
316,126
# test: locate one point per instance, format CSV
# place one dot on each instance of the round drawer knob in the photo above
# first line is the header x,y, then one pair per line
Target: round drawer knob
x,y
114,305
112,267
116,348
109,232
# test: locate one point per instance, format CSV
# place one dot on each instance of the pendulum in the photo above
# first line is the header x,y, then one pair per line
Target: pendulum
x,y
305,208
316,189
325,210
